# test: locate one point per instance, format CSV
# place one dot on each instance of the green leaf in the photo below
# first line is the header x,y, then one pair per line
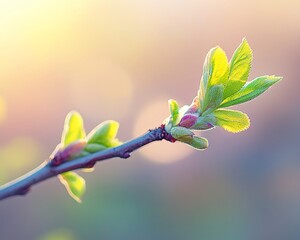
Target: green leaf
x,y
174,110
182,111
212,99
205,122
251,90
73,129
94,147
103,133
215,71
231,120
182,134
111,142
240,65
199,143
74,184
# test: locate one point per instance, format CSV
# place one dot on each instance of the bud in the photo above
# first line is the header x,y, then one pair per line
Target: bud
x,y
94,147
67,153
188,120
182,134
204,122
199,143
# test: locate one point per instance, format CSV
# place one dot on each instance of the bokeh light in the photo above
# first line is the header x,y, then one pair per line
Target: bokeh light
x,y
17,156
123,60
102,86
58,234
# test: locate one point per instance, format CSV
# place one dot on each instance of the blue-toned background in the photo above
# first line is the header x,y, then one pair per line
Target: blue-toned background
x,y
123,60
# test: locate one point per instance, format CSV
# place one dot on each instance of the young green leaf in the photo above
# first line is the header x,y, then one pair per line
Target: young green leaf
x,y
212,99
103,132
169,123
231,120
250,90
215,71
199,143
111,142
74,184
205,122
73,129
94,147
174,110
182,134
240,65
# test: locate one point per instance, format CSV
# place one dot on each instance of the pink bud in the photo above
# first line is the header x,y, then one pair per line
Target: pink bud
x,y
188,120
70,151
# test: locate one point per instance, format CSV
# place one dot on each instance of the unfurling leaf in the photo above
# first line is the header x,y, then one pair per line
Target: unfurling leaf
x,y
94,147
182,134
104,134
215,71
199,143
231,120
250,90
205,122
174,110
74,184
73,129
212,99
240,65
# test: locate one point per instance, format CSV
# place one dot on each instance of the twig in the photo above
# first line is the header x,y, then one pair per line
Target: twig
x,y
22,185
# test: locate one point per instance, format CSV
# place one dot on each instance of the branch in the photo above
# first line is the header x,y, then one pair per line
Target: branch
x,y
22,185
223,84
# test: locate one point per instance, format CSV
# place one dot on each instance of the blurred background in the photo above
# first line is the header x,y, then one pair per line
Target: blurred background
x,y
123,60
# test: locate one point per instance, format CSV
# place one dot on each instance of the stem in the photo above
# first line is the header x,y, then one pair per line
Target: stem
x,y
22,185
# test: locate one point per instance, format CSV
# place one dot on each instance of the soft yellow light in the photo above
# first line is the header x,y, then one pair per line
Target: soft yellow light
x,y
99,88
18,155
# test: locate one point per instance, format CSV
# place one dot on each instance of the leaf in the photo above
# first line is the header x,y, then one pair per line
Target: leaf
x,y
182,134
240,65
168,122
212,99
74,184
215,71
73,129
251,90
94,147
182,111
199,143
231,120
174,110
103,133
111,142
205,122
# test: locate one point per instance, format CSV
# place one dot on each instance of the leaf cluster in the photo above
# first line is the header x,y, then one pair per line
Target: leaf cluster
x,y
75,143
223,84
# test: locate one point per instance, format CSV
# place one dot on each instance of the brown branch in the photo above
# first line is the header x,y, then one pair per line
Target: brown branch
x,y
22,185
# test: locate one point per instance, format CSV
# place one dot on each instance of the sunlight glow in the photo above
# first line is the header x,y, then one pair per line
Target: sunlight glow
x,y
17,156
99,87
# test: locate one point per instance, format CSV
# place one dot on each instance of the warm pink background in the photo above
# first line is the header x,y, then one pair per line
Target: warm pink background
x,y
123,60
